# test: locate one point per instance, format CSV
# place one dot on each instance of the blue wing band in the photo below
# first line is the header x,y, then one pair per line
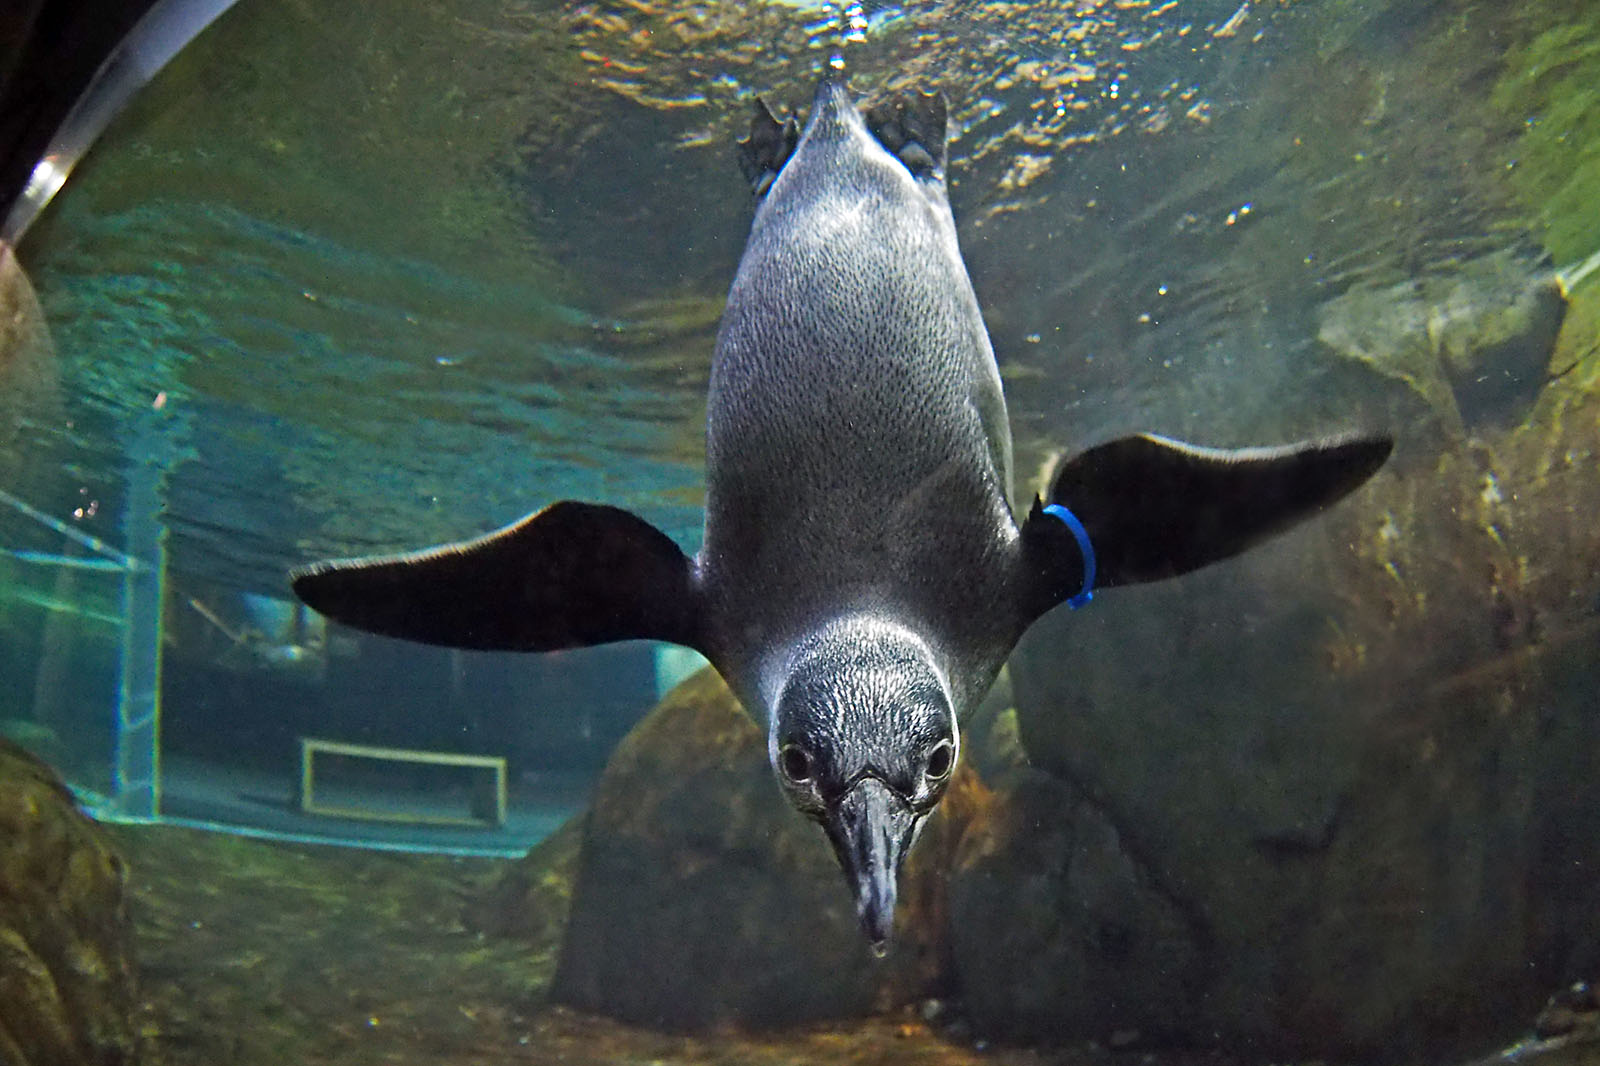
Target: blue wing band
x,y
1082,536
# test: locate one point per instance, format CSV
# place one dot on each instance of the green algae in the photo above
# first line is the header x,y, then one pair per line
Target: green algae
x,y
255,952
66,977
1551,85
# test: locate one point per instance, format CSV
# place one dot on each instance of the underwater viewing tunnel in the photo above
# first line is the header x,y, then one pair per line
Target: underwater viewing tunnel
x,y
1295,752
164,693
162,697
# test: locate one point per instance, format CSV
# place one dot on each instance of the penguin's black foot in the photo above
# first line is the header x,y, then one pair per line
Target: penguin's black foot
x,y
912,127
769,146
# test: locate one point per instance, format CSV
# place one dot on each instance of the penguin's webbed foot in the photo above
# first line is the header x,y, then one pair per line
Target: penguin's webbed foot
x,y
769,146
913,127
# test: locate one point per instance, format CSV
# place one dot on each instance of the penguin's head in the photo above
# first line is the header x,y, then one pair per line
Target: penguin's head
x,y
864,743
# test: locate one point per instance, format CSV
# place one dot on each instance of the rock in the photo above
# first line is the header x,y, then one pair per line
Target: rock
x,y
1351,849
1566,1033
1474,343
531,900
704,901
990,742
1362,760
999,750
1575,1008
1057,934
66,979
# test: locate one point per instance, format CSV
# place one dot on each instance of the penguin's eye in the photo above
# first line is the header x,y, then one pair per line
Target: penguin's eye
x,y
795,763
941,760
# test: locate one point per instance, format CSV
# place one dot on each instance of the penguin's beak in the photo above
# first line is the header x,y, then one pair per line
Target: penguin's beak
x,y
871,829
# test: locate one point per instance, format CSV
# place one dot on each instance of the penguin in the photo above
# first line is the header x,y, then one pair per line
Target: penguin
x,y
863,575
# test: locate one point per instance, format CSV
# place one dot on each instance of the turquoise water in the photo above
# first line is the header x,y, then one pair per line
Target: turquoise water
x,y
240,323
534,321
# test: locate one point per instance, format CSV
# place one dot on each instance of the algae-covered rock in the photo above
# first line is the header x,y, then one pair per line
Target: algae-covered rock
x,y
1474,342
1363,760
989,740
530,901
66,984
1344,817
997,749
702,900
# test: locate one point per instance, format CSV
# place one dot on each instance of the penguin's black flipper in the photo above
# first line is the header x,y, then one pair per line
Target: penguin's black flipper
x,y
572,575
769,146
913,127
1152,508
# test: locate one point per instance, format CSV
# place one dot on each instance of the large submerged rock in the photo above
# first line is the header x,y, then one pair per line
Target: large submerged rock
x,y
66,985
530,901
1361,762
1057,933
1474,342
703,901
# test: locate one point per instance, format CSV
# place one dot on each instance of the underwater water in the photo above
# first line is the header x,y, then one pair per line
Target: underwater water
x,y
352,280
